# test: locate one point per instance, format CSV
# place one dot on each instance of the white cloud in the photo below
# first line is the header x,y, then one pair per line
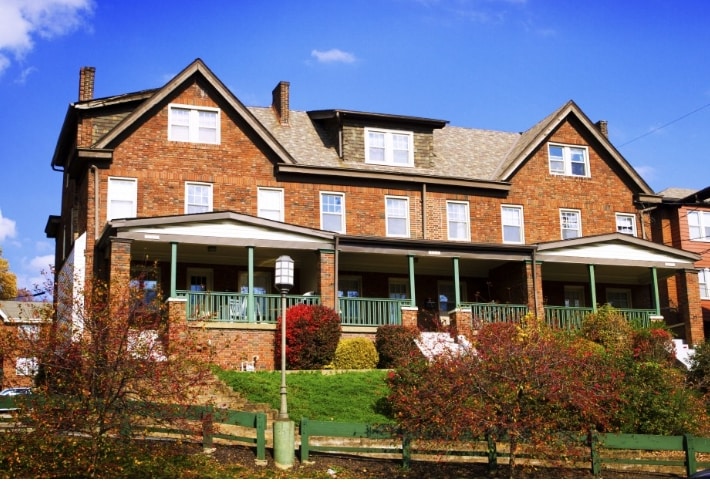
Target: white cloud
x,y
333,55
7,228
21,21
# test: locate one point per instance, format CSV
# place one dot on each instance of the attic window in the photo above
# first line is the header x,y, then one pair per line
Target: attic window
x,y
568,160
386,147
193,124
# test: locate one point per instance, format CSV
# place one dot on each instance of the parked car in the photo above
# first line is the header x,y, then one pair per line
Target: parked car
x,y
19,390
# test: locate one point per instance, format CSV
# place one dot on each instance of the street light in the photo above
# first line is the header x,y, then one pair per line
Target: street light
x,y
283,427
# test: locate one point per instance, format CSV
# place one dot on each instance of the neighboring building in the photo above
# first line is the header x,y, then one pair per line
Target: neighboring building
x,y
384,215
682,220
20,322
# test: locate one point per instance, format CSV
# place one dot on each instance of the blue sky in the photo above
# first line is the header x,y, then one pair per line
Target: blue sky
x,y
644,66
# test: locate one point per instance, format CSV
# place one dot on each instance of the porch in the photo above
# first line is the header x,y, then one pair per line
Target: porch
x,y
242,307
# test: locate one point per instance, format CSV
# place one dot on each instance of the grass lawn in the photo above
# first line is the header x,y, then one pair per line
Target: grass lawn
x,y
343,396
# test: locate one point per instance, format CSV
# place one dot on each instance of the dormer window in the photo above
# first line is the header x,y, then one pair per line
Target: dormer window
x,y
193,124
568,160
386,147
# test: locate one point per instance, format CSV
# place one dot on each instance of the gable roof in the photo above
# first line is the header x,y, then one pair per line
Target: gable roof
x,y
196,69
532,138
17,312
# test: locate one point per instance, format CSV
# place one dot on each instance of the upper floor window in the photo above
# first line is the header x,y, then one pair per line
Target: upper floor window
x,y
704,283
458,220
193,124
397,215
388,147
626,224
512,218
699,225
568,160
570,223
198,198
270,203
122,198
332,212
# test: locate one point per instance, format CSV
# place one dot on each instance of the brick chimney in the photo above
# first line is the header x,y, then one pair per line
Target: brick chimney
x,y
602,126
86,83
279,103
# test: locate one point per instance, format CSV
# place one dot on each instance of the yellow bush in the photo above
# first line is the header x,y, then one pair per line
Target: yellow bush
x,y
355,354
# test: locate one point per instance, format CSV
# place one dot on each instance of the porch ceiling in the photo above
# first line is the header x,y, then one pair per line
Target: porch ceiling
x,y
626,275
423,265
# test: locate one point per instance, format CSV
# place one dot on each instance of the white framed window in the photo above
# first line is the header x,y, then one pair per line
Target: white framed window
x,y
198,197
704,283
388,147
29,332
332,211
626,223
122,198
568,160
193,124
512,221
458,220
619,298
26,366
397,216
699,225
570,223
270,203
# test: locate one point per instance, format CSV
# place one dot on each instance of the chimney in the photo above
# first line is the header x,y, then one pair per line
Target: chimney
x,y
279,101
602,126
86,83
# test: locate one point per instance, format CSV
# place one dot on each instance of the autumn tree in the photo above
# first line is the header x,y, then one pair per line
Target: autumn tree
x,y
522,384
104,366
8,280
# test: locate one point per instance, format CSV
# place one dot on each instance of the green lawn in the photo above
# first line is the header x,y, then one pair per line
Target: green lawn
x,y
346,396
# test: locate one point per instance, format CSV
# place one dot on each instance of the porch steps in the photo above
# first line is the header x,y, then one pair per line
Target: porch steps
x,y
683,352
433,344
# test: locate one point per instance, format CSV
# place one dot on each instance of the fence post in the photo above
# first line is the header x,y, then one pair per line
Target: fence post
x,y
594,453
406,450
492,454
261,439
304,439
207,430
691,463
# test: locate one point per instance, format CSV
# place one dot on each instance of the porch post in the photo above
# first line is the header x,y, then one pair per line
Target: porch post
x,y
593,285
173,268
413,302
457,288
250,282
656,298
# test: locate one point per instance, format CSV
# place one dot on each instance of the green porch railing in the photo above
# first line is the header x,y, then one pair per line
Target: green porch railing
x,y
233,306
362,311
486,312
571,318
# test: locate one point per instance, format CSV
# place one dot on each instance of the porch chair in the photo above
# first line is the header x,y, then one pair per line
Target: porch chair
x,y
237,309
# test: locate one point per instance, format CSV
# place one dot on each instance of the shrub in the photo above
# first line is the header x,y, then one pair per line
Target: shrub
x,y
395,345
699,374
355,354
608,328
312,335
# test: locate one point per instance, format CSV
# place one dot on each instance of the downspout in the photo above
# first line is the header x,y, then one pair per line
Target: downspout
x,y
336,259
643,227
95,171
536,301
424,235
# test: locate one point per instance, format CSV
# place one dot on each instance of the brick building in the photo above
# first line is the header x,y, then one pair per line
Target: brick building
x,y
20,322
186,188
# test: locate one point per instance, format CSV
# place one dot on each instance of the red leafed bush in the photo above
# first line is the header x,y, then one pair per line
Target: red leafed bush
x,y
312,335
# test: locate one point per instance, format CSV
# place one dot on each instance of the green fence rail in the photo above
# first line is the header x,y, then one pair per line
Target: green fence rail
x,y
368,311
602,447
234,307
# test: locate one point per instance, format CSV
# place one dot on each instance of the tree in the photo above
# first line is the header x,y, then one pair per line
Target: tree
x,y
522,383
8,280
103,362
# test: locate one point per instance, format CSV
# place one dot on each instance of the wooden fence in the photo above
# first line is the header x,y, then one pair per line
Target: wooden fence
x,y
684,454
